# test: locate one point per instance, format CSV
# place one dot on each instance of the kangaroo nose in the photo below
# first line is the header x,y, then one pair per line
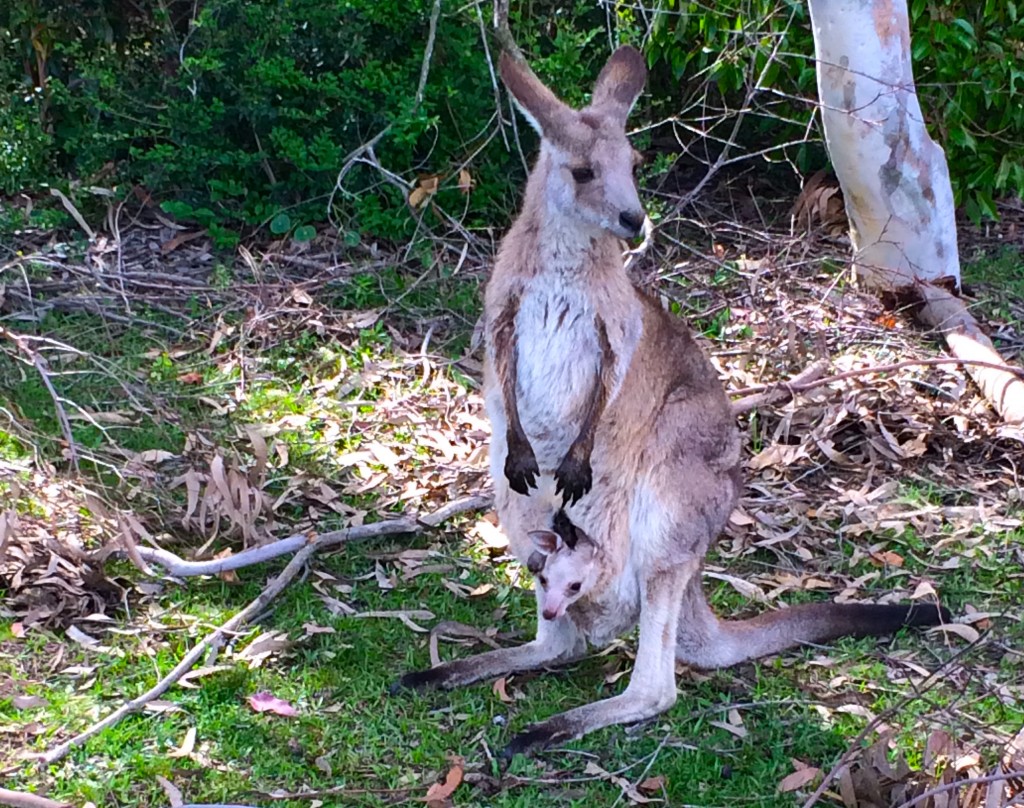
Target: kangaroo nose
x,y
549,614
632,221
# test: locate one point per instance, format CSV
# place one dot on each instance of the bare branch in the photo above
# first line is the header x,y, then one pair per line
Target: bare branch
x,y
40,364
759,395
947,787
271,591
177,566
428,52
17,799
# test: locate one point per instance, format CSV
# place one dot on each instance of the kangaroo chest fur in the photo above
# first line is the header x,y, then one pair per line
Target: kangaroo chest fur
x,y
558,356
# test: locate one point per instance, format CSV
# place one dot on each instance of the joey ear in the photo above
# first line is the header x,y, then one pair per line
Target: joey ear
x,y
620,82
587,546
546,541
535,563
541,107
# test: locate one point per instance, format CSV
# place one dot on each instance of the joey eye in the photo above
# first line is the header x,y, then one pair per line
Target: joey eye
x,y
542,580
575,587
583,174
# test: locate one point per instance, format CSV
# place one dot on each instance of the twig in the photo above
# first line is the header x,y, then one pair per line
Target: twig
x,y
182,568
502,32
991,778
740,117
785,389
17,799
70,208
454,508
754,396
428,52
40,364
493,72
334,791
272,590
638,252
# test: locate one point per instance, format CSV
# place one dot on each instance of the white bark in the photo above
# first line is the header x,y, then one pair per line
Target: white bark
x,y
894,176
895,179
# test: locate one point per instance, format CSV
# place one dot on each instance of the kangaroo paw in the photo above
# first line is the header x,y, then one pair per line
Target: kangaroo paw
x,y
538,737
420,680
573,478
521,467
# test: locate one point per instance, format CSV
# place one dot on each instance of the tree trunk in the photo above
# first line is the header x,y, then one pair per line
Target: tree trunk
x,y
895,179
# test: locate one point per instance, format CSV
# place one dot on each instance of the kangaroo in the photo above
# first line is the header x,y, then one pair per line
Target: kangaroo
x,y
609,422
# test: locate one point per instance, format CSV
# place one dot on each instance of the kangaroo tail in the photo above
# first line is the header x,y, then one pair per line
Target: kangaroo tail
x,y
707,642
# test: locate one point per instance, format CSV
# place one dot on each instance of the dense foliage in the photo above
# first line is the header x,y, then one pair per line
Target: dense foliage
x,y
968,64
239,114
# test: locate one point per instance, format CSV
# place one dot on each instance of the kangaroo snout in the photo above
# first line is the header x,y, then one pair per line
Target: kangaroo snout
x,y
633,221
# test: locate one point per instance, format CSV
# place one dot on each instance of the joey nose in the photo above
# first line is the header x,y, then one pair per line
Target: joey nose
x,y
550,614
632,222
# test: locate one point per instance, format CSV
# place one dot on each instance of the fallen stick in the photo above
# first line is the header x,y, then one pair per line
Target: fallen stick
x,y
271,591
17,799
921,799
787,389
760,394
854,748
183,568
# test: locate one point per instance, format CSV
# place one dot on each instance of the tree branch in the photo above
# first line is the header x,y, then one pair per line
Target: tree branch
x,y
183,568
809,379
17,799
943,789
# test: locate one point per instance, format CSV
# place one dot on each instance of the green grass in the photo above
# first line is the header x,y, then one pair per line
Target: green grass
x,y
373,740
350,732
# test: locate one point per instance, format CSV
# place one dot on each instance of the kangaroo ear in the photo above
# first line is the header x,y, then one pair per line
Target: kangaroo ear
x,y
541,107
535,563
620,83
546,541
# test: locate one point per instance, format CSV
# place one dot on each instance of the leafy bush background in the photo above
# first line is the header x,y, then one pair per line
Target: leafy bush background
x,y
247,110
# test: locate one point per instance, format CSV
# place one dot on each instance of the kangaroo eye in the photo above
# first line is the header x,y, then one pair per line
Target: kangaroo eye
x,y
542,579
583,174
575,587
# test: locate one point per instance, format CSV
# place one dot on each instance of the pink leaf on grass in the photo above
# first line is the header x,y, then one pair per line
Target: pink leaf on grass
x,y
264,702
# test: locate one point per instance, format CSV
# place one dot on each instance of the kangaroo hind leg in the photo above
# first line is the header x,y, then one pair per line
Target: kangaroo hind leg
x,y
652,686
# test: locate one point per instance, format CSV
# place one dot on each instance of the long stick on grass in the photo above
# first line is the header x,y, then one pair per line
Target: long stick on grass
x,y
811,378
271,591
183,568
18,799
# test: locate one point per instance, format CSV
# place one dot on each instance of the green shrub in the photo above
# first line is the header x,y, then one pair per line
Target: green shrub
x,y
242,115
969,66
968,63
239,114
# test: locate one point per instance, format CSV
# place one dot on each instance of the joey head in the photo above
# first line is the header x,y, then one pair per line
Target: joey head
x,y
563,573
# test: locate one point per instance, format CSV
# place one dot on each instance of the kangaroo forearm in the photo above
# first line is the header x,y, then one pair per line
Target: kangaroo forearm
x,y
521,468
574,476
